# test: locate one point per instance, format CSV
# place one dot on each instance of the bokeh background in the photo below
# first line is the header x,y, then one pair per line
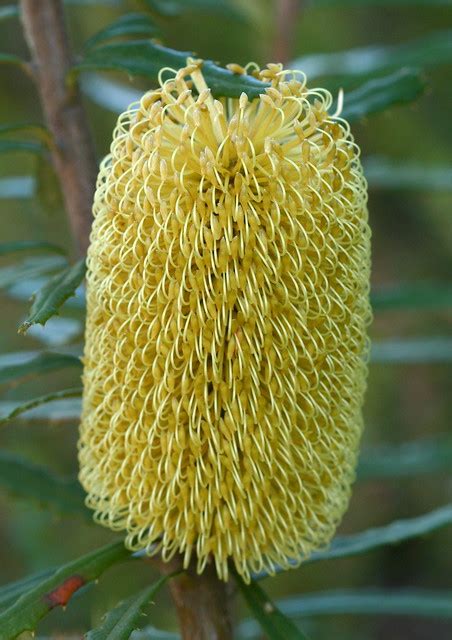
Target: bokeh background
x,y
407,150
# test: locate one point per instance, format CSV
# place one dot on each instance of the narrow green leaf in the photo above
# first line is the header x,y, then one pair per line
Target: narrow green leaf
x,y
410,459
23,407
54,294
8,146
14,366
416,351
145,58
29,245
411,602
109,94
35,483
418,295
57,589
427,51
58,411
380,93
394,533
274,624
28,269
123,619
13,590
385,173
126,25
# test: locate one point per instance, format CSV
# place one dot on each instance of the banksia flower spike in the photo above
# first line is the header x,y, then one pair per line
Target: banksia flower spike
x,y
226,345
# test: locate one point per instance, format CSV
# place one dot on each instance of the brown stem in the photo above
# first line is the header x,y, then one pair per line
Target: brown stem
x,y
73,151
286,22
203,602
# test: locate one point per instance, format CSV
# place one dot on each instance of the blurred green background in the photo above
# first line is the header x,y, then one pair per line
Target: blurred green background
x,y
409,393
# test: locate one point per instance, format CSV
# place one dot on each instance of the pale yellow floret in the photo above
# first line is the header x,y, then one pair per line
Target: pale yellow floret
x,y
226,345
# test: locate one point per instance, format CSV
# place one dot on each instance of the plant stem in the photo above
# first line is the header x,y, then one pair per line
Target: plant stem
x,y
286,21
73,153
203,602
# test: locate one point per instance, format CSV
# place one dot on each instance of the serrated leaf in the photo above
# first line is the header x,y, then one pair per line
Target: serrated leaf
x,y
409,459
394,533
126,25
29,245
57,589
35,483
28,269
427,51
14,366
274,623
412,602
145,58
415,351
378,94
123,619
386,173
54,294
23,407
59,410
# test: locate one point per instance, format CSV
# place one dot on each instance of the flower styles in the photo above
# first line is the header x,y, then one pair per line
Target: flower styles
x,y
226,346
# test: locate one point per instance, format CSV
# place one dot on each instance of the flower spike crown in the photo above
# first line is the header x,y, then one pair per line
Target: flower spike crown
x,y
226,345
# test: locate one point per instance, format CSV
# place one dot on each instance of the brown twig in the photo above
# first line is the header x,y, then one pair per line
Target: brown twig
x,y
203,602
73,152
286,22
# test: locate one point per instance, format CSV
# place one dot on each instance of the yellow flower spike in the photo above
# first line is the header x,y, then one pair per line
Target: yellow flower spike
x,y
226,346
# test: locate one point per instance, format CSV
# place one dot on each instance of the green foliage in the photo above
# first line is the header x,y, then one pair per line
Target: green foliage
x,y
9,146
427,51
23,407
28,269
145,58
394,533
126,25
418,295
414,351
51,297
124,618
34,483
29,245
173,8
57,589
409,459
429,604
379,94
384,173
274,624
14,366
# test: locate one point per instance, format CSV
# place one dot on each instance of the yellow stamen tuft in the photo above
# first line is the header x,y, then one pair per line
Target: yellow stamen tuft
x,y
226,345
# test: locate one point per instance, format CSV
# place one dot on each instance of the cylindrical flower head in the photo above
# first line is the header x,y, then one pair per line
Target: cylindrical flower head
x,y
226,346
